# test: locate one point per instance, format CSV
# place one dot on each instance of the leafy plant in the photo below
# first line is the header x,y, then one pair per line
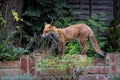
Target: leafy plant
x,y
73,47
2,21
72,65
8,51
113,37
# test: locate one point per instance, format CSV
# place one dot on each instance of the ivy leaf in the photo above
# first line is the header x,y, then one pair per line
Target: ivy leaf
x,y
32,13
20,50
28,23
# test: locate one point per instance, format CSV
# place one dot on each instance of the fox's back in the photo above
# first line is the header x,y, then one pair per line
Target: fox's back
x,y
75,31
78,27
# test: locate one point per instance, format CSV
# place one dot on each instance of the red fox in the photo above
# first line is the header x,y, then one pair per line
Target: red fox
x,y
78,31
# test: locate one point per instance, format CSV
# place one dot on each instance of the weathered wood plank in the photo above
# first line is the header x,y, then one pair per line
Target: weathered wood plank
x,y
102,7
73,1
102,1
102,12
81,12
81,17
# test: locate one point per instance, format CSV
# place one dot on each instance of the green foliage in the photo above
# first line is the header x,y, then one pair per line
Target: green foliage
x,y
54,65
10,44
73,47
2,21
63,22
45,11
8,51
113,37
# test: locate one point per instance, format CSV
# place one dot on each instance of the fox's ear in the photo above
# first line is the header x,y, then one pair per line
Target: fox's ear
x,y
45,23
51,22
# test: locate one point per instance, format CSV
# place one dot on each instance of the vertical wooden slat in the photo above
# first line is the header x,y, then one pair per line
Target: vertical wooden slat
x,y
90,4
117,8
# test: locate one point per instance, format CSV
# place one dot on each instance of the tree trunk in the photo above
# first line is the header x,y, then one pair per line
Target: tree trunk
x,y
6,9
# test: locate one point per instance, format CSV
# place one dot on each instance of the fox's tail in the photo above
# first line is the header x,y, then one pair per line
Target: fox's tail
x,y
94,44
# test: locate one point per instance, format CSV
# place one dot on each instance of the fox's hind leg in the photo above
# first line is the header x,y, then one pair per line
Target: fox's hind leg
x,y
84,45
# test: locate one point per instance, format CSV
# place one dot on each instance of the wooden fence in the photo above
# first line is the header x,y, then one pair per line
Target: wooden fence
x,y
83,9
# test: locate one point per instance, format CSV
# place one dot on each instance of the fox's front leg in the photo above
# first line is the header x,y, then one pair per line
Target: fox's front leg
x,y
62,47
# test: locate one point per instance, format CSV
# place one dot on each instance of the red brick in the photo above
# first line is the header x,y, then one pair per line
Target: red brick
x,y
97,69
95,77
113,68
87,77
31,65
112,62
10,64
27,65
10,72
101,78
118,63
100,62
111,57
24,64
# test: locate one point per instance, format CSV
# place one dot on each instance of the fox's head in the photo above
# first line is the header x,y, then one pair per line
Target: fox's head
x,y
47,29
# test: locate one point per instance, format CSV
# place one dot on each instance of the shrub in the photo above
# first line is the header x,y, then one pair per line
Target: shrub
x,y
113,38
9,47
66,65
73,47
8,51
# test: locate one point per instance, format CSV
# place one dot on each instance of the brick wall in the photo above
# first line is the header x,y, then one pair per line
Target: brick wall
x,y
101,69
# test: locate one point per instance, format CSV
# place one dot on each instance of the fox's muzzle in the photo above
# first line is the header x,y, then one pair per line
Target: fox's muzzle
x,y
45,34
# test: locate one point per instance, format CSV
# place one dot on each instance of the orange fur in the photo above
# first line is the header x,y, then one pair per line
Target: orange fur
x,y
78,31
